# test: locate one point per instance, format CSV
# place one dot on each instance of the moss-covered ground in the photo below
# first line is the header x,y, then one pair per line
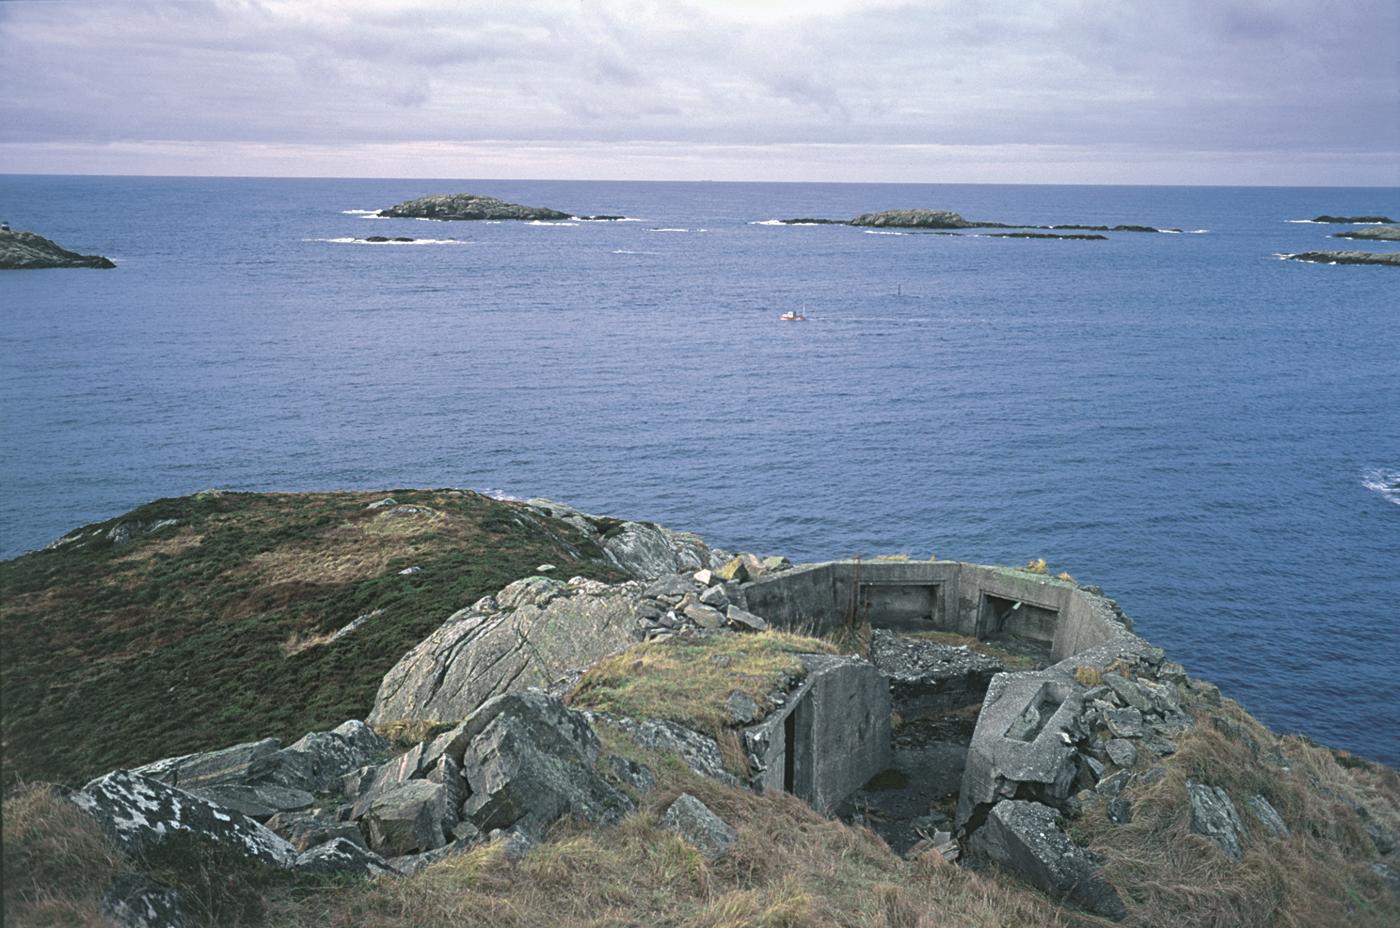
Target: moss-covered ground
x,y
216,629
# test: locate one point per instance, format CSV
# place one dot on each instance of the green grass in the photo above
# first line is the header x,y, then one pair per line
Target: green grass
x,y
213,631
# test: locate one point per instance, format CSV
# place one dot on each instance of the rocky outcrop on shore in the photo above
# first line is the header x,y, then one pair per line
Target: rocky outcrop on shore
x,y
919,219
1391,259
469,206
21,251
1381,234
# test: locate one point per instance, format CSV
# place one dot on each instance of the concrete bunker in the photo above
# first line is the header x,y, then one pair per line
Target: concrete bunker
x,y
951,639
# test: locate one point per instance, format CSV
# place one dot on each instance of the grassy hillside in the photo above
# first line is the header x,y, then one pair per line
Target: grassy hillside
x,y
215,629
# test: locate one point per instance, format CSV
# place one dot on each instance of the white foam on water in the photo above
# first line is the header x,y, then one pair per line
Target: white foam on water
x,y
623,219
673,230
543,222
886,232
626,251
1384,482
360,212
1197,231
1306,222
1170,231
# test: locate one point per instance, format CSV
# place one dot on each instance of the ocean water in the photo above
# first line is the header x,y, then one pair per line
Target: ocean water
x,y
1210,433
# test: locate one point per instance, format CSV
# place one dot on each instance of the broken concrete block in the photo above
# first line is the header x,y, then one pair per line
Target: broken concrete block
x,y
1025,838
698,826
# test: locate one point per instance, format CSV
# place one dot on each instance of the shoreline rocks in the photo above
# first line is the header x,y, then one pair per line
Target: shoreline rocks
x,y
1350,220
26,251
1346,257
469,207
1378,234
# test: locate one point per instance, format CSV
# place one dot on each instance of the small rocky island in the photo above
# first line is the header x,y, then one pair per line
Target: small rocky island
x,y
943,220
1380,234
22,251
469,206
1350,220
1347,257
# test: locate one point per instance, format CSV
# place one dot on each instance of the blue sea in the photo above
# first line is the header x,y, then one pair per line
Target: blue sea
x,y
1208,432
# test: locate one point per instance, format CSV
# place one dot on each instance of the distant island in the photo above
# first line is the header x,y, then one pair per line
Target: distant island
x,y
943,219
24,251
1350,220
1347,257
470,206
1381,234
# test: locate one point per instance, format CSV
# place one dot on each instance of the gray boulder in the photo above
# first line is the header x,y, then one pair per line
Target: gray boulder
x,y
257,802
134,900
1121,752
210,768
744,620
645,550
408,818
1124,723
1268,817
530,634
699,752
342,857
1025,838
532,763
698,826
140,813
412,863
1213,816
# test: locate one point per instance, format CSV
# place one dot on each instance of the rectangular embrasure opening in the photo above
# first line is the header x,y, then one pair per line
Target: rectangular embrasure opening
x,y
910,606
1001,617
1031,720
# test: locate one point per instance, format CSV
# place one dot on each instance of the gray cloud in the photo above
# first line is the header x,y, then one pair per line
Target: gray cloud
x,y
1199,76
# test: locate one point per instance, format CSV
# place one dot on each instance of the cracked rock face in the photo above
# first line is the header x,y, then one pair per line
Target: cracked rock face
x,y
140,813
532,633
1213,815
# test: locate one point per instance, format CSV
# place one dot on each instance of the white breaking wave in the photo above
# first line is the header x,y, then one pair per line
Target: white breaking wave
x,y
880,232
1384,482
1170,231
1306,222
668,229
542,222
781,222
416,241
360,212
1197,231
623,219
625,251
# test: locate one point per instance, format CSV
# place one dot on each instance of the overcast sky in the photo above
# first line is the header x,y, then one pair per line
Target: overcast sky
x,y
1074,91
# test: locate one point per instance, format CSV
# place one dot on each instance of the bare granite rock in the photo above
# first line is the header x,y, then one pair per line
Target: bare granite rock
x,y
22,251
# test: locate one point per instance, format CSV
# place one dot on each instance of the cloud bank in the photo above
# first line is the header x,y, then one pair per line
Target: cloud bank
x,y
1286,91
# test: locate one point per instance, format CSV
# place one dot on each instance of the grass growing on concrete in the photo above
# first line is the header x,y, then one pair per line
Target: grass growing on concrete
x,y
689,679
1009,660
217,629
1319,875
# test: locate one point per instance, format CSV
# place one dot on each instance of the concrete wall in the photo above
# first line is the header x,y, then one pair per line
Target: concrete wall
x,y
936,595
838,722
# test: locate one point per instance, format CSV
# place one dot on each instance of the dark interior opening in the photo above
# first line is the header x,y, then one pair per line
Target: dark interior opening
x,y
908,606
789,751
1000,617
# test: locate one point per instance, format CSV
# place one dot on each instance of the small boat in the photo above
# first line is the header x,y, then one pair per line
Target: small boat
x,y
793,315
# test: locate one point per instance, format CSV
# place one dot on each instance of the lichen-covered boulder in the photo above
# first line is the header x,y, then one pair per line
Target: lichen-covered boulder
x,y
343,857
530,634
305,830
259,802
140,814
698,826
531,763
408,819
134,900
1213,816
1026,839
209,768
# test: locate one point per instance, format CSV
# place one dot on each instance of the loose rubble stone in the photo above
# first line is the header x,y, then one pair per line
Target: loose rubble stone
x,y
305,830
1120,810
408,818
742,709
745,621
1121,752
715,597
1128,691
1025,838
698,826
1124,723
925,675
257,802
1213,815
638,776
704,616
140,813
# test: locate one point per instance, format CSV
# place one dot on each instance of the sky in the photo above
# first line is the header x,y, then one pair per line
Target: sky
x,y
1286,92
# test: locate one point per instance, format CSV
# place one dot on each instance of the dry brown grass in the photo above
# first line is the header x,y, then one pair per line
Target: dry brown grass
x,y
791,868
1317,876
57,862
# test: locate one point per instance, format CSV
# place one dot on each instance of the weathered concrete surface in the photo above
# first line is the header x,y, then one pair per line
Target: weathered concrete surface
x,y
532,633
1025,838
140,813
698,826
1025,742
836,723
